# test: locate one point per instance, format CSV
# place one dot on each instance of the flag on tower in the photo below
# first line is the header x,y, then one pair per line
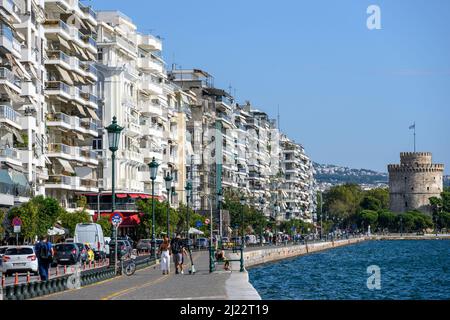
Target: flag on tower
x,y
413,126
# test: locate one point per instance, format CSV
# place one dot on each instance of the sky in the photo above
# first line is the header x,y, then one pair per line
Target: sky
x,y
346,93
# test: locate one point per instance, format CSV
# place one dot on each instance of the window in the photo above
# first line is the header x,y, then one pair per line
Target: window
x,y
97,144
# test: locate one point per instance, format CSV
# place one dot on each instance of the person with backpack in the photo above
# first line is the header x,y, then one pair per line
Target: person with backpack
x,y
177,248
44,253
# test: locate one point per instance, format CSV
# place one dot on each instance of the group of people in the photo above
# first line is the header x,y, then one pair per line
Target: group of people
x,y
176,248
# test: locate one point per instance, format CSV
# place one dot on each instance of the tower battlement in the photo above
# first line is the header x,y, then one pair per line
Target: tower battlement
x,y
414,181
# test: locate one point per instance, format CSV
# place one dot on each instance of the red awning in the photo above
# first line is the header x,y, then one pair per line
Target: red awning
x,y
145,196
133,195
132,221
121,195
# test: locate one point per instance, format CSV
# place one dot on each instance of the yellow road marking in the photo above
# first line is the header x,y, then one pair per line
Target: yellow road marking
x,y
147,284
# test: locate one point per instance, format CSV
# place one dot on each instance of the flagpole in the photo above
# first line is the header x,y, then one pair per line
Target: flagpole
x,y
414,137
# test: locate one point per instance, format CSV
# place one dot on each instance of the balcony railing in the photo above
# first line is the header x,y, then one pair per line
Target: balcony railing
x,y
72,151
89,11
6,112
6,74
58,85
58,55
9,153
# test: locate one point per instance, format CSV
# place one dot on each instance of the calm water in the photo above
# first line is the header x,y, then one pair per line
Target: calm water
x,y
409,270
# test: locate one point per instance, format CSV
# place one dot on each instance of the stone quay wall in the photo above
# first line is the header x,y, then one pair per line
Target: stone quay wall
x,y
271,254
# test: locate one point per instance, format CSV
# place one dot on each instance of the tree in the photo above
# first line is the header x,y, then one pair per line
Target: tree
x,y
2,221
386,220
38,215
370,203
369,217
69,220
106,226
381,194
343,201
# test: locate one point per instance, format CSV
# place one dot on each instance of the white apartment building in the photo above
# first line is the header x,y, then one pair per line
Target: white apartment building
x,y
22,105
298,180
71,119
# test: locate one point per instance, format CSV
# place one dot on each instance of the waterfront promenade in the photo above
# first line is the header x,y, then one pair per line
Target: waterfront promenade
x,y
150,284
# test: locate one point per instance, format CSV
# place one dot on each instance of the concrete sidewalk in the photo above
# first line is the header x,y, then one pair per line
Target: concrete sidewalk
x,y
150,284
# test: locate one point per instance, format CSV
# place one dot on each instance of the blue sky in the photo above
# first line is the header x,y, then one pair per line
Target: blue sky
x,y
348,94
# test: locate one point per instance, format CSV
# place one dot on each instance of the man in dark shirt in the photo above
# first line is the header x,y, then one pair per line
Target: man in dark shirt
x,y
44,253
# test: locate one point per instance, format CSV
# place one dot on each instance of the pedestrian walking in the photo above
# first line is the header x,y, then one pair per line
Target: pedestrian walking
x,y
44,252
177,248
164,251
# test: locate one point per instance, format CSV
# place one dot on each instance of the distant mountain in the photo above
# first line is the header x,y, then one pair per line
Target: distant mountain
x,y
328,175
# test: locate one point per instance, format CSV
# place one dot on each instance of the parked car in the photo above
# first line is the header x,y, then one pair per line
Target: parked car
x,y
144,245
92,234
2,252
124,248
20,259
67,253
236,241
201,243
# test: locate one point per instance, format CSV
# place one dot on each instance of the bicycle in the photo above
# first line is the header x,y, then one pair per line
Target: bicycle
x,y
130,267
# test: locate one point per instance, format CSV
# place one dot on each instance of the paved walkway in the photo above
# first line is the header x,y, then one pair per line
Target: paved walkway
x,y
149,284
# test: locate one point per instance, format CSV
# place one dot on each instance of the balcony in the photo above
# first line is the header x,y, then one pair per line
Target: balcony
x,y
86,126
59,89
89,98
9,116
151,108
8,78
10,7
71,183
59,28
61,6
226,119
149,64
149,42
8,42
153,131
133,156
151,85
126,45
89,14
90,71
71,153
133,129
10,155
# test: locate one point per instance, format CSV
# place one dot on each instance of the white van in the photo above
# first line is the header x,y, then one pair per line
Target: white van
x,y
92,234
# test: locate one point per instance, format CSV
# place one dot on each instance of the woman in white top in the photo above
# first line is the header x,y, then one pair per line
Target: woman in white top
x,y
164,251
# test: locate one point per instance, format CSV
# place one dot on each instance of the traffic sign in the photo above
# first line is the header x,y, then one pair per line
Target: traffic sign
x,y
17,229
207,221
116,219
198,224
16,221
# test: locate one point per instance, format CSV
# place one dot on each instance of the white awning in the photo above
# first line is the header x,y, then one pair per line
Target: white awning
x,y
17,135
190,151
55,232
18,67
91,56
195,231
64,43
81,110
80,136
65,75
93,114
66,165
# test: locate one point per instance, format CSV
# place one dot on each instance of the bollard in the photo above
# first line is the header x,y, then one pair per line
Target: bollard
x,y
3,281
57,268
28,277
94,264
90,264
84,266
16,279
65,269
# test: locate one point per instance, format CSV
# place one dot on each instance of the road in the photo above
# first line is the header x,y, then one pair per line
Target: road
x,y
150,284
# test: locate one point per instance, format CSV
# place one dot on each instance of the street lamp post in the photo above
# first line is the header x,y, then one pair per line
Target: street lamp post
x,y
188,194
401,226
243,202
168,180
153,172
321,225
114,131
